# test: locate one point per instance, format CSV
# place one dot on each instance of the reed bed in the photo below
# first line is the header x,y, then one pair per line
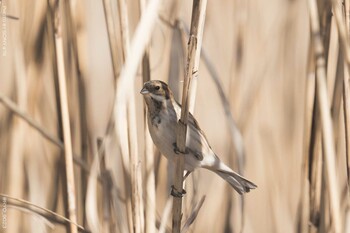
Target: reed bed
x,y
268,83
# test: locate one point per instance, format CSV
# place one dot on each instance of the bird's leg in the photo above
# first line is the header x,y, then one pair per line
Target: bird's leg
x,y
177,151
176,193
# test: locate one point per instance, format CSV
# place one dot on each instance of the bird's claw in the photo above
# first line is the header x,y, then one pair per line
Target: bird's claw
x,y
177,151
176,193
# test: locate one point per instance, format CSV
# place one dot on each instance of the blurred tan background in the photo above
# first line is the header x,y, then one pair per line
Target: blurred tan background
x,y
260,52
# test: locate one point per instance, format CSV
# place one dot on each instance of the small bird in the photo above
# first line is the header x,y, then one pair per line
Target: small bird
x,y
163,115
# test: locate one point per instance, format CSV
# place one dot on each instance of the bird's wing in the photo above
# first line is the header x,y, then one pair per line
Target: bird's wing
x,y
196,141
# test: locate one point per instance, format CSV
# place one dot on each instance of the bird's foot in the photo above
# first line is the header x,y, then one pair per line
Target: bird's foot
x,y
176,193
177,150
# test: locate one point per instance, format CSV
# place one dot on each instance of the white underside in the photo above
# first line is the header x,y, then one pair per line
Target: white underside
x,y
164,136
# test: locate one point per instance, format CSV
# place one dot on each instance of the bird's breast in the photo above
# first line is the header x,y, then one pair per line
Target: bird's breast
x,y
162,130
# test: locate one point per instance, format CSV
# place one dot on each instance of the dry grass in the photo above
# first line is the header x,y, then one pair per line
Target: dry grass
x,y
272,95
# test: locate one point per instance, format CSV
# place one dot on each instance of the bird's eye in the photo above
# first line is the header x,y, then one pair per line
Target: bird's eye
x,y
157,88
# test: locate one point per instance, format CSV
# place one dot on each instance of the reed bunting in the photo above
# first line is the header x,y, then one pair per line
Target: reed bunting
x,y
163,115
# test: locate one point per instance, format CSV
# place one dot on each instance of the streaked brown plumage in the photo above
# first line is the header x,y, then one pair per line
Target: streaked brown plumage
x,y
163,114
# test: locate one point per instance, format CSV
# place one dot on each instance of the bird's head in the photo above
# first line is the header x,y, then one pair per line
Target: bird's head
x,y
157,90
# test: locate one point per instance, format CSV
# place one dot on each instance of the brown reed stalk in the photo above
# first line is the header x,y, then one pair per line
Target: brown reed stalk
x,y
136,173
338,92
343,29
78,98
165,216
46,213
150,199
193,57
326,122
304,201
113,48
107,184
193,215
16,110
346,110
346,97
149,159
347,15
135,166
66,124
24,116
197,26
125,84
124,28
91,205
181,138
16,156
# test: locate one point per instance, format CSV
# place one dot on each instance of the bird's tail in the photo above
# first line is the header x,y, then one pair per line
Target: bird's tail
x,y
238,182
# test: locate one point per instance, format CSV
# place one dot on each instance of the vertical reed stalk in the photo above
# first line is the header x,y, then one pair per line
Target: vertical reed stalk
x,y
66,125
113,48
150,210
197,26
125,89
181,138
16,176
346,110
193,58
346,96
304,203
135,165
327,130
343,29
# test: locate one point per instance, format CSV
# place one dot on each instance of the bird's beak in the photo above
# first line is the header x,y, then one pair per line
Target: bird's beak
x,y
144,91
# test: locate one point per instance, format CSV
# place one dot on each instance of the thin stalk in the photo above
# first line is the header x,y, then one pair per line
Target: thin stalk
x,y
346,97
80,96
16,110
113,48
126,81
18,136
135,164
343,29
181,138
66,128
304,202
150,209
107,184
193,215
327,128
193,57
165,216
197,27
124,27
346,110
24,116
39,210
